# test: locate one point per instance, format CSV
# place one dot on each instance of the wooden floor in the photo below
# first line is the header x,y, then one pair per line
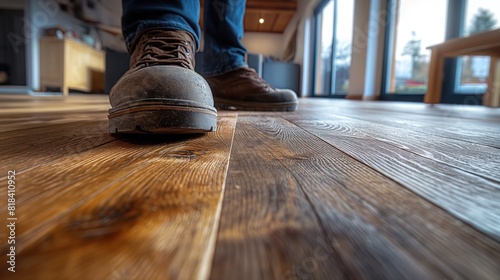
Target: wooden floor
x,y
337,190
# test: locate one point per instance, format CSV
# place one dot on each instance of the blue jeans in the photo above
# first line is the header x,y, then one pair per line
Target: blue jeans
x,y
222,27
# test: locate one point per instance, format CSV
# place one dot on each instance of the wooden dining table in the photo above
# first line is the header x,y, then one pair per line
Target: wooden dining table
x,y
481,44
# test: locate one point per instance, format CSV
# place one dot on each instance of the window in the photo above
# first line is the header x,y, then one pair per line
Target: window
x,y
472,71
334,29
409,33
407,57
324,23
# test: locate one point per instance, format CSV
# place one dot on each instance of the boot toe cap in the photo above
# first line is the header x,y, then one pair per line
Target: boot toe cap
x,y
161,83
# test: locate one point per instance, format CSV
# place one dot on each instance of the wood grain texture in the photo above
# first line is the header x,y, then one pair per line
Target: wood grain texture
x,y
149,209
375,228
475,125
23,112
336,190
268,228
19,121
44,144
469,197
13,104
436,111
455,126
58,127
480,160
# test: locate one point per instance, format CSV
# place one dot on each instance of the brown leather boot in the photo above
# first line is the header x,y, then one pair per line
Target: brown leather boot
x,y
161,93
244,89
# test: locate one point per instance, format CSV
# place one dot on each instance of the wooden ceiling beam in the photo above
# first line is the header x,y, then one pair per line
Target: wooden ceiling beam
x,y
276,13
253,10
269,6
276,6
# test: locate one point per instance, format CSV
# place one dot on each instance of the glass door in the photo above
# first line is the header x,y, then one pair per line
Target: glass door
x,y
413,25
324,50
333,47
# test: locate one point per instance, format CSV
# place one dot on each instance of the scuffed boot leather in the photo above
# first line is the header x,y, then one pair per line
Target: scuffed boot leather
x,y
161,92
243,89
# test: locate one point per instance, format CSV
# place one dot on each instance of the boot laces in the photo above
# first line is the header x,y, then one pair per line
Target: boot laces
x,y
253,75
162,48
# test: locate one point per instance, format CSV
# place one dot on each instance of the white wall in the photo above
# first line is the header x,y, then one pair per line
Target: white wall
x,y
267,44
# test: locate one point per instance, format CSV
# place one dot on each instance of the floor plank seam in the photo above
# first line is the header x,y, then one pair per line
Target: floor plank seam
x,y
320,222
207,259
315,210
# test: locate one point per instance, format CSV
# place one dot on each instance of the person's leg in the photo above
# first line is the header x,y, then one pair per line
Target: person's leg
x,y
233,84
161,93
141,16
223,30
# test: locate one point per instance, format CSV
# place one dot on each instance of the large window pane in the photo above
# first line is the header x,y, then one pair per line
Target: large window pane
x,y
333,47
472,72
324,49
343,45
418,24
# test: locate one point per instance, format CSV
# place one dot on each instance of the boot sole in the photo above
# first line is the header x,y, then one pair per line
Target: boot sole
x,y
143,117
228,104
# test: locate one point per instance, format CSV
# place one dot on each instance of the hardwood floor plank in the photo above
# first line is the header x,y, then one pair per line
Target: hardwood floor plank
x,y
48,101
376,228
442,112
454,126
478,131
22,112
337,190
54,107
473,199
268,229
477,159
135,208
11,122
43,144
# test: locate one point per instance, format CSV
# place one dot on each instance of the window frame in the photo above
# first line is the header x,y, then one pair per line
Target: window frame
x,y
454,28
316,28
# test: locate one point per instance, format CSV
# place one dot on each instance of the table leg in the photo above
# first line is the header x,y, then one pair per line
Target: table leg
x,y
492,96
435,78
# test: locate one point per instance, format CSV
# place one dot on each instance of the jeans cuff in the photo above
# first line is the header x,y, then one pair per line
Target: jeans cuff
x,y
152,25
